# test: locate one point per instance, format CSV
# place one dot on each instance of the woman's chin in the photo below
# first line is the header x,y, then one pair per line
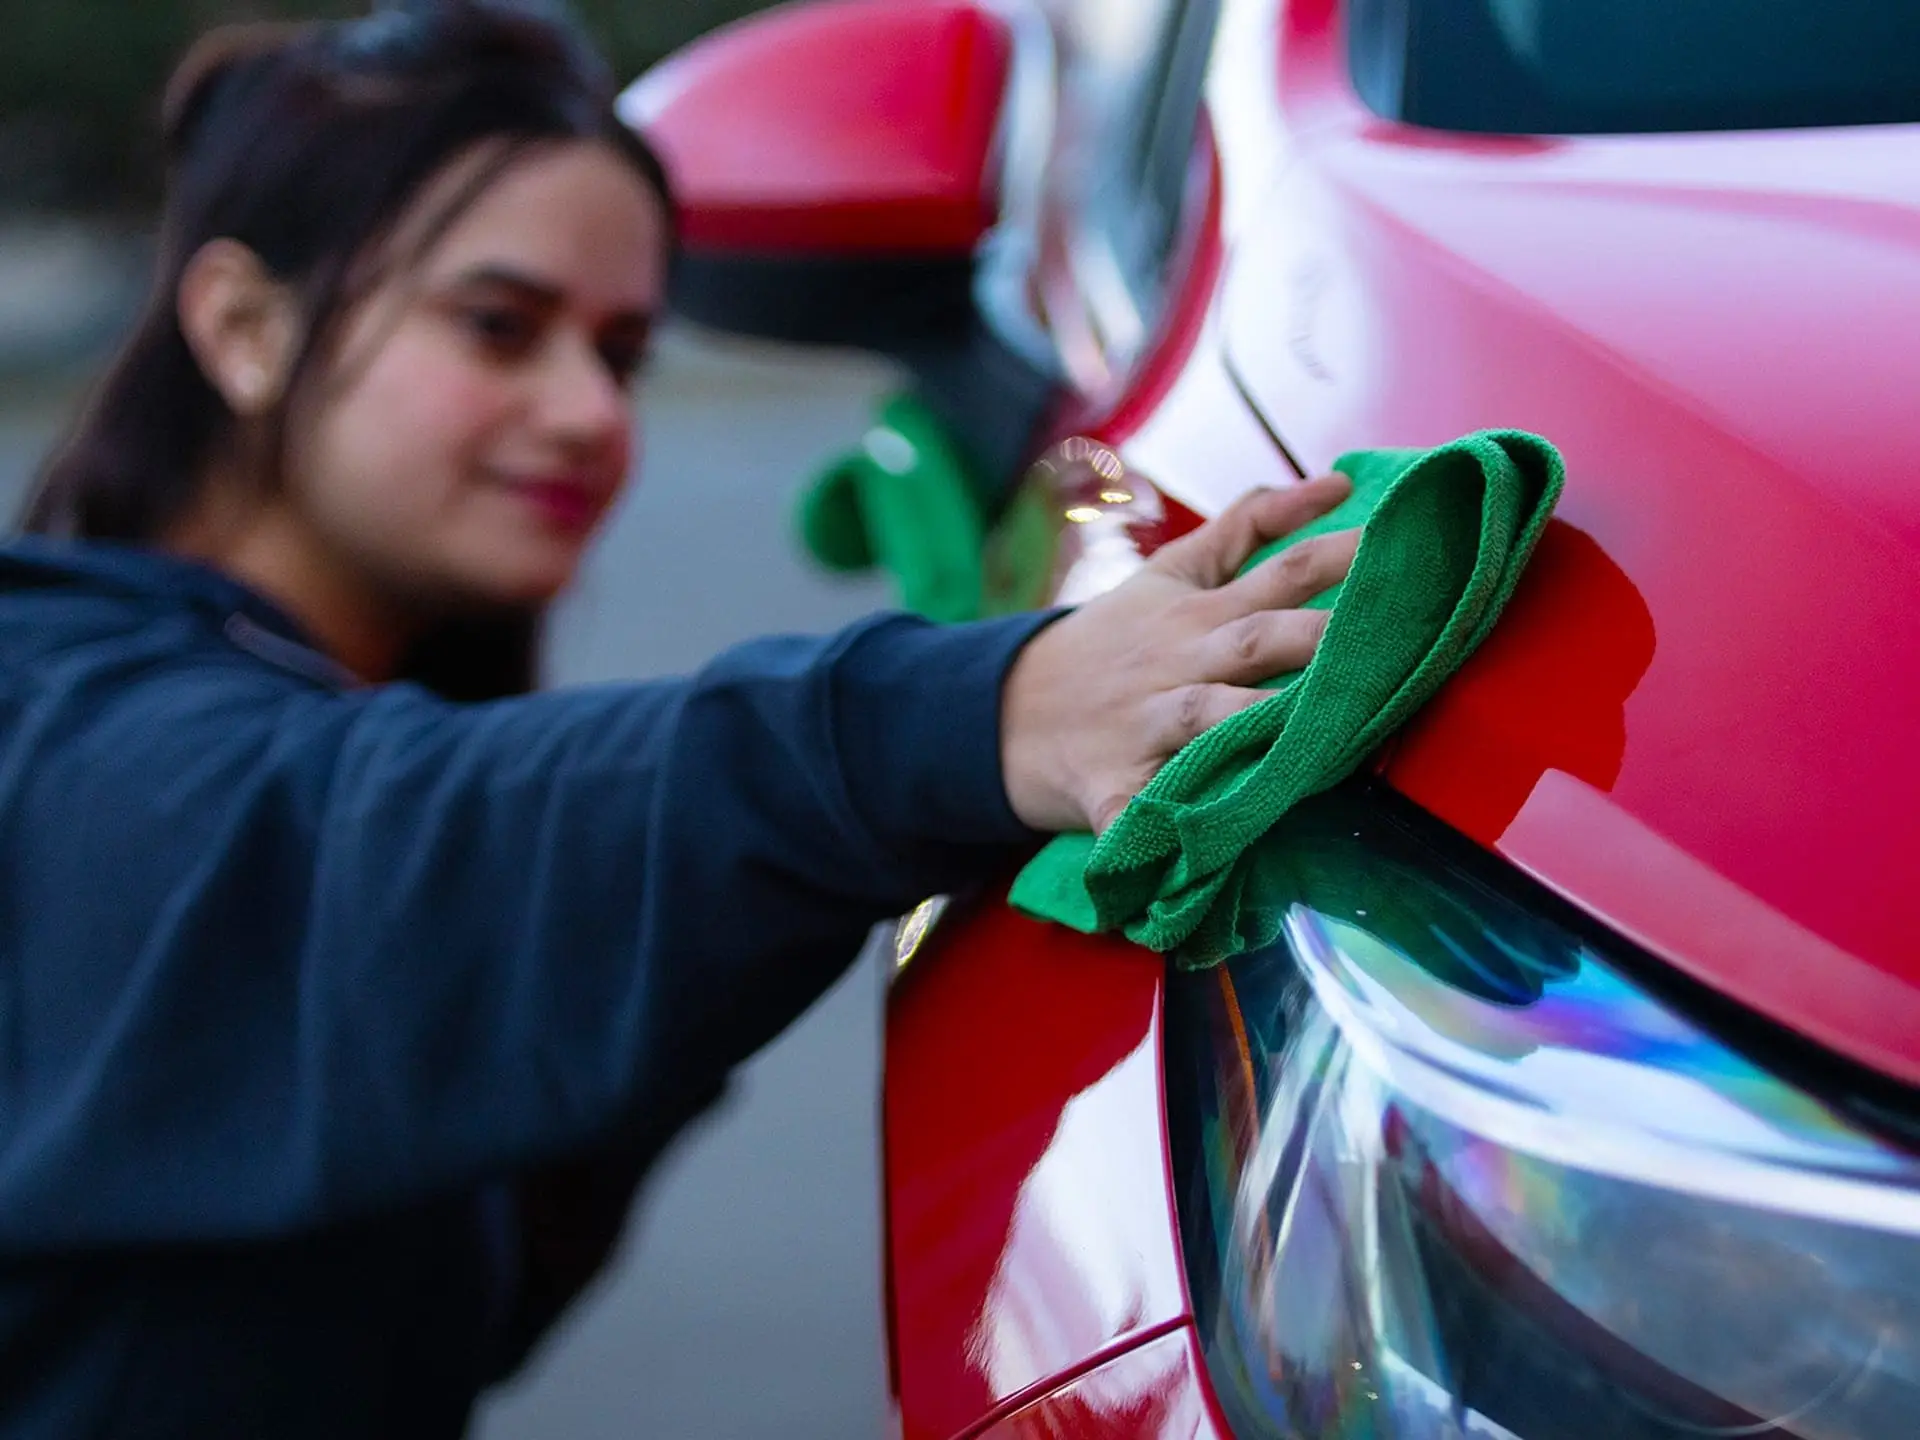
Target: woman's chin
x,y
530,578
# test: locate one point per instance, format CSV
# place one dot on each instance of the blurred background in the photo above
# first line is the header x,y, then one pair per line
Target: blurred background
x,y
747,1300
80,82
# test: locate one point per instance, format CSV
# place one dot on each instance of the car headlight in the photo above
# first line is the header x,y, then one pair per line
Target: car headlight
x,y
1447,1170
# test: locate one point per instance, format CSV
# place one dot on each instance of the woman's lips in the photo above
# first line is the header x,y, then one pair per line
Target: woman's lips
x,y
569,505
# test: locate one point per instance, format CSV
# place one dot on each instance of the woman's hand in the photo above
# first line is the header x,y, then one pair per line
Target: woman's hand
x,y
1100,699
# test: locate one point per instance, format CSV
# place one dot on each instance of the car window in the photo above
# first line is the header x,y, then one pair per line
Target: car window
x,y
1132,75
1625,66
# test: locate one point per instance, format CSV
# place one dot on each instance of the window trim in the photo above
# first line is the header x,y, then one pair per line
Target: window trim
x,y
1124,293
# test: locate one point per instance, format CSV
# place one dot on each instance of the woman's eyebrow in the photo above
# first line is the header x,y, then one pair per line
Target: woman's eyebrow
x,y
541,292
505,277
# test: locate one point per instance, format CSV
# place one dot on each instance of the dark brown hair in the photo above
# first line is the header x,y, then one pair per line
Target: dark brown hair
x,y
307,143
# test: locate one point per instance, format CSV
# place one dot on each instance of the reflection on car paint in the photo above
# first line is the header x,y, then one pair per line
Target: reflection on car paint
x,y
1030,1226
1154,1392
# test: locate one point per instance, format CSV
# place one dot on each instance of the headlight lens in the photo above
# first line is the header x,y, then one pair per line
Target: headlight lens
x,y
1447,1171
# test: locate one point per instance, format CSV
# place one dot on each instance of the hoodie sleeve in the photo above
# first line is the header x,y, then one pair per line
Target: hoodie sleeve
x,y
280,958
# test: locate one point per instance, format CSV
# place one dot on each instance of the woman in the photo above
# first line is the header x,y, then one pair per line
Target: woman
x,y
335,961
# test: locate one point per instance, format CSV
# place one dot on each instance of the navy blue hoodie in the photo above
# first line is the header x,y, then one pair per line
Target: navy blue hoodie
x,y
297,979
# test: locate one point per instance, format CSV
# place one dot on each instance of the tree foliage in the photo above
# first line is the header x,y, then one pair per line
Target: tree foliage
x,y
80,80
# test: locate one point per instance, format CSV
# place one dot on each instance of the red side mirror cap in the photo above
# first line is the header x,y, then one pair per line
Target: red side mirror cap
x,y
842,128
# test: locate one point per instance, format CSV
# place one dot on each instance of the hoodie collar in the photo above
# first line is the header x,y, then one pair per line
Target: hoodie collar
x,y
249,619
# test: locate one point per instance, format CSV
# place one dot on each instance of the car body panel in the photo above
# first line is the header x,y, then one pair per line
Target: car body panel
x,y
1722,635
1154,1391
1690,722
1030,1214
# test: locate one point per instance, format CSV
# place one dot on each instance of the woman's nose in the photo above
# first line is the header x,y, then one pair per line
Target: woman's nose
x,y
581,399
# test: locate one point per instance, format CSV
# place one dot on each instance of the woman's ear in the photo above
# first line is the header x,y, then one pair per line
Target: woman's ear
x,y
241,324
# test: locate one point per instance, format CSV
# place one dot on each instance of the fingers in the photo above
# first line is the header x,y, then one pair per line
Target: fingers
x,y
1184,713
1213,554
1097,703
1257,647
1293,577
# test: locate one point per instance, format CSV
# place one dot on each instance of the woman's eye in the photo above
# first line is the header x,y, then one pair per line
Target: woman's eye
x,y
623,359
506,334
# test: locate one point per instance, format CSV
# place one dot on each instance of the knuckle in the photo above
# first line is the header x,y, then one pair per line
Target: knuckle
x,y
1225,539
1295,566
1190,709
1247,639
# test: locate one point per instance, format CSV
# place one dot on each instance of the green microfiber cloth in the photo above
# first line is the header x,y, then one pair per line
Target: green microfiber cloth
x,y
1447,533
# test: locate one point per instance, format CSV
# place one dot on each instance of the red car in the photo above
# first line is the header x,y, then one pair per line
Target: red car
x,y
1579,1102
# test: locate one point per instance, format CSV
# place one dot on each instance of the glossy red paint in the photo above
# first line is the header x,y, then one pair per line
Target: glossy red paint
x,y
1672,903
846,127
1690,722
1156,1391
1722,641
1030,1215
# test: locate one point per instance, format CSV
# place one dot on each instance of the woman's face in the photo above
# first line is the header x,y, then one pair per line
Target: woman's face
x,y
474,421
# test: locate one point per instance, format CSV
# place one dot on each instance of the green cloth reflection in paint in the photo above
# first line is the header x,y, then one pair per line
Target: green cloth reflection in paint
x,y
908,503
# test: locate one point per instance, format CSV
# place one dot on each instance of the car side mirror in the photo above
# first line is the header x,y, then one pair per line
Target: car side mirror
x,y
834,163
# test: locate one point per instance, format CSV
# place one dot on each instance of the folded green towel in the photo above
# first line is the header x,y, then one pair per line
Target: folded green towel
x,y
1447,533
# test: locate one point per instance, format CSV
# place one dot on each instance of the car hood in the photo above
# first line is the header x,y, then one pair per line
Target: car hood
x,y
1698,719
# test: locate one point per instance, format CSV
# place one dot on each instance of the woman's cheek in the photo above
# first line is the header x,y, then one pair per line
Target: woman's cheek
x,y
443,415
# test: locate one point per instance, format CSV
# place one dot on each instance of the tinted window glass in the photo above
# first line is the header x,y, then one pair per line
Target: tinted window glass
x,y
1587,66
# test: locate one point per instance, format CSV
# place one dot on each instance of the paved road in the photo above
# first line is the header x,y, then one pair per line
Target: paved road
x,y
747,1303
